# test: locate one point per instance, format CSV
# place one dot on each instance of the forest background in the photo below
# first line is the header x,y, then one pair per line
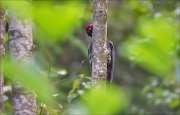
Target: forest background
x,y
146,73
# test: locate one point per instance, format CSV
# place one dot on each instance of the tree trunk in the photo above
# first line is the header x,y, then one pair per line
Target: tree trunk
x,y
100,52
2,53
21,44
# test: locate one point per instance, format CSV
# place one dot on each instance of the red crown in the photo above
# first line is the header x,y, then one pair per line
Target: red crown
x,y
89,26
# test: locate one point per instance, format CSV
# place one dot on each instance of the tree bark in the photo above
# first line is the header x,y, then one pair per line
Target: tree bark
x,y
100,52
21,44
2,53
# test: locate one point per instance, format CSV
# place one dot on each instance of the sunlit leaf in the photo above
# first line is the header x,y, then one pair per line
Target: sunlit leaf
x,y
62,72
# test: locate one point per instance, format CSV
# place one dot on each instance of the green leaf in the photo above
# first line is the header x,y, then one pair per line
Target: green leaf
x,y
75,86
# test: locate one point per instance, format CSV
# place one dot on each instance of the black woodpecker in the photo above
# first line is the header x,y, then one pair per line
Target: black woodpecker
x,y
111,57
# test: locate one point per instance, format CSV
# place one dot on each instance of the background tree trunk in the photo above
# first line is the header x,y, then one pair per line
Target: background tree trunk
x,y
21,44
2,53
99,58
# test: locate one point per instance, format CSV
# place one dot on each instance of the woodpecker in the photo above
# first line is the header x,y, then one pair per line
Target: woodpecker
x,y
111,56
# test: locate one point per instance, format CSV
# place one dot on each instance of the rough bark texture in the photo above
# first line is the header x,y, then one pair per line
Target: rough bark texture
x,y
2,53
21,44
99,58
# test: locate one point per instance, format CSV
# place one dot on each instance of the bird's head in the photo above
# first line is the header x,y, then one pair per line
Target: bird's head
x,y
89,29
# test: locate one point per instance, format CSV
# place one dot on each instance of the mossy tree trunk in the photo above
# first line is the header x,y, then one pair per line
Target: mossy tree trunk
x,y
2,53
21,45
100,52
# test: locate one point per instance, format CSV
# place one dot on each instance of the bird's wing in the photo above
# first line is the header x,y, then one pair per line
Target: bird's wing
x,y
110,61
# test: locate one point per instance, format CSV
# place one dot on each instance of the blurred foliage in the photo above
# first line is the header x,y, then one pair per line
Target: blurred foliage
x,y
30,76
62,17
146,37
154,46
111,100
